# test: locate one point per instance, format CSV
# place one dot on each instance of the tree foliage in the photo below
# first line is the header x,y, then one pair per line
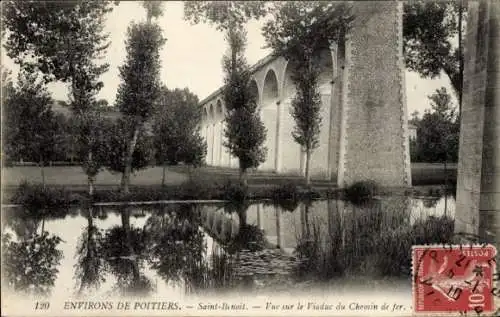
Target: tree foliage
x,y
176,246
224,15
430,30
245,132
177,129
300,31
32,131
124,251
58,39
438,130
64,42
30,266
154,9
140,89
117,139
90,265
90,137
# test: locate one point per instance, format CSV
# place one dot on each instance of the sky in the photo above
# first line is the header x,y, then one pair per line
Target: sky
x,y
192,56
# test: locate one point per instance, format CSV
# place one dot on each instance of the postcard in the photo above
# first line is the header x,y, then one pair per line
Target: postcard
x,y
243,158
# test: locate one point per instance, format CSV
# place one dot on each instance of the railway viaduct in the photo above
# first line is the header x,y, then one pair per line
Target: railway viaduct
x,y
364,133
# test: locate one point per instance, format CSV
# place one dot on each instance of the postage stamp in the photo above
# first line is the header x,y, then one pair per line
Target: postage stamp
x,y
454,279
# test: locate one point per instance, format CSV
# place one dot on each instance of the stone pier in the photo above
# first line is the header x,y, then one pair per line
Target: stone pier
x,y
478,183
374,129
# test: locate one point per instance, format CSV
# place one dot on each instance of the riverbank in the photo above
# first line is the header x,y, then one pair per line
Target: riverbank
x,y
73,176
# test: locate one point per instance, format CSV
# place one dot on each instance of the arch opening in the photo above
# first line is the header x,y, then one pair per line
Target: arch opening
x,y
211,112
205,115
219,111
270,92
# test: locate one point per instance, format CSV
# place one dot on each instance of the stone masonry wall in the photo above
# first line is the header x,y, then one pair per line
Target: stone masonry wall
x,y
478,182
375,143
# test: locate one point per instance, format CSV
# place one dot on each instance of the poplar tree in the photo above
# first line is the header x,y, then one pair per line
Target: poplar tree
x,y
245,133
299,31
140,89
177,130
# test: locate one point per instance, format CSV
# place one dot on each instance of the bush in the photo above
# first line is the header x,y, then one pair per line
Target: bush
x,y
196,189
235,192
43,200
286,191
192,189
361,191
288,196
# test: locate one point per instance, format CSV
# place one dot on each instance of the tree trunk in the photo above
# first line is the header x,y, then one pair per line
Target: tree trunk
x,y
190,172
308,164
163,176
128,161
42,171
445,188
91,180
243,176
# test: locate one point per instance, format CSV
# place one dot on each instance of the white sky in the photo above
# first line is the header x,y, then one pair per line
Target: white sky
x,y
193,53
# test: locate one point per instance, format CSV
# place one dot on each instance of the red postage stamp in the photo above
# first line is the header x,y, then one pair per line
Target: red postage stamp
x,y
454,279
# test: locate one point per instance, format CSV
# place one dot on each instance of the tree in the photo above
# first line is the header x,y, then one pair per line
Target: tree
x,y
154,9
414,117
63,41
90,136
224,15
32,131
118,137
7,89
299,31
438,130
140,89
245,133
430,29
177,130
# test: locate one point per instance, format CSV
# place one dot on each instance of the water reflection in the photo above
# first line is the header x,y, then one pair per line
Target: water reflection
x,y
89,270
30,260
147,251
124,252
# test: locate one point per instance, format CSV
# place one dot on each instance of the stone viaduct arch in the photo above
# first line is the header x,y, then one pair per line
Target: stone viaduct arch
x,y
364,117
